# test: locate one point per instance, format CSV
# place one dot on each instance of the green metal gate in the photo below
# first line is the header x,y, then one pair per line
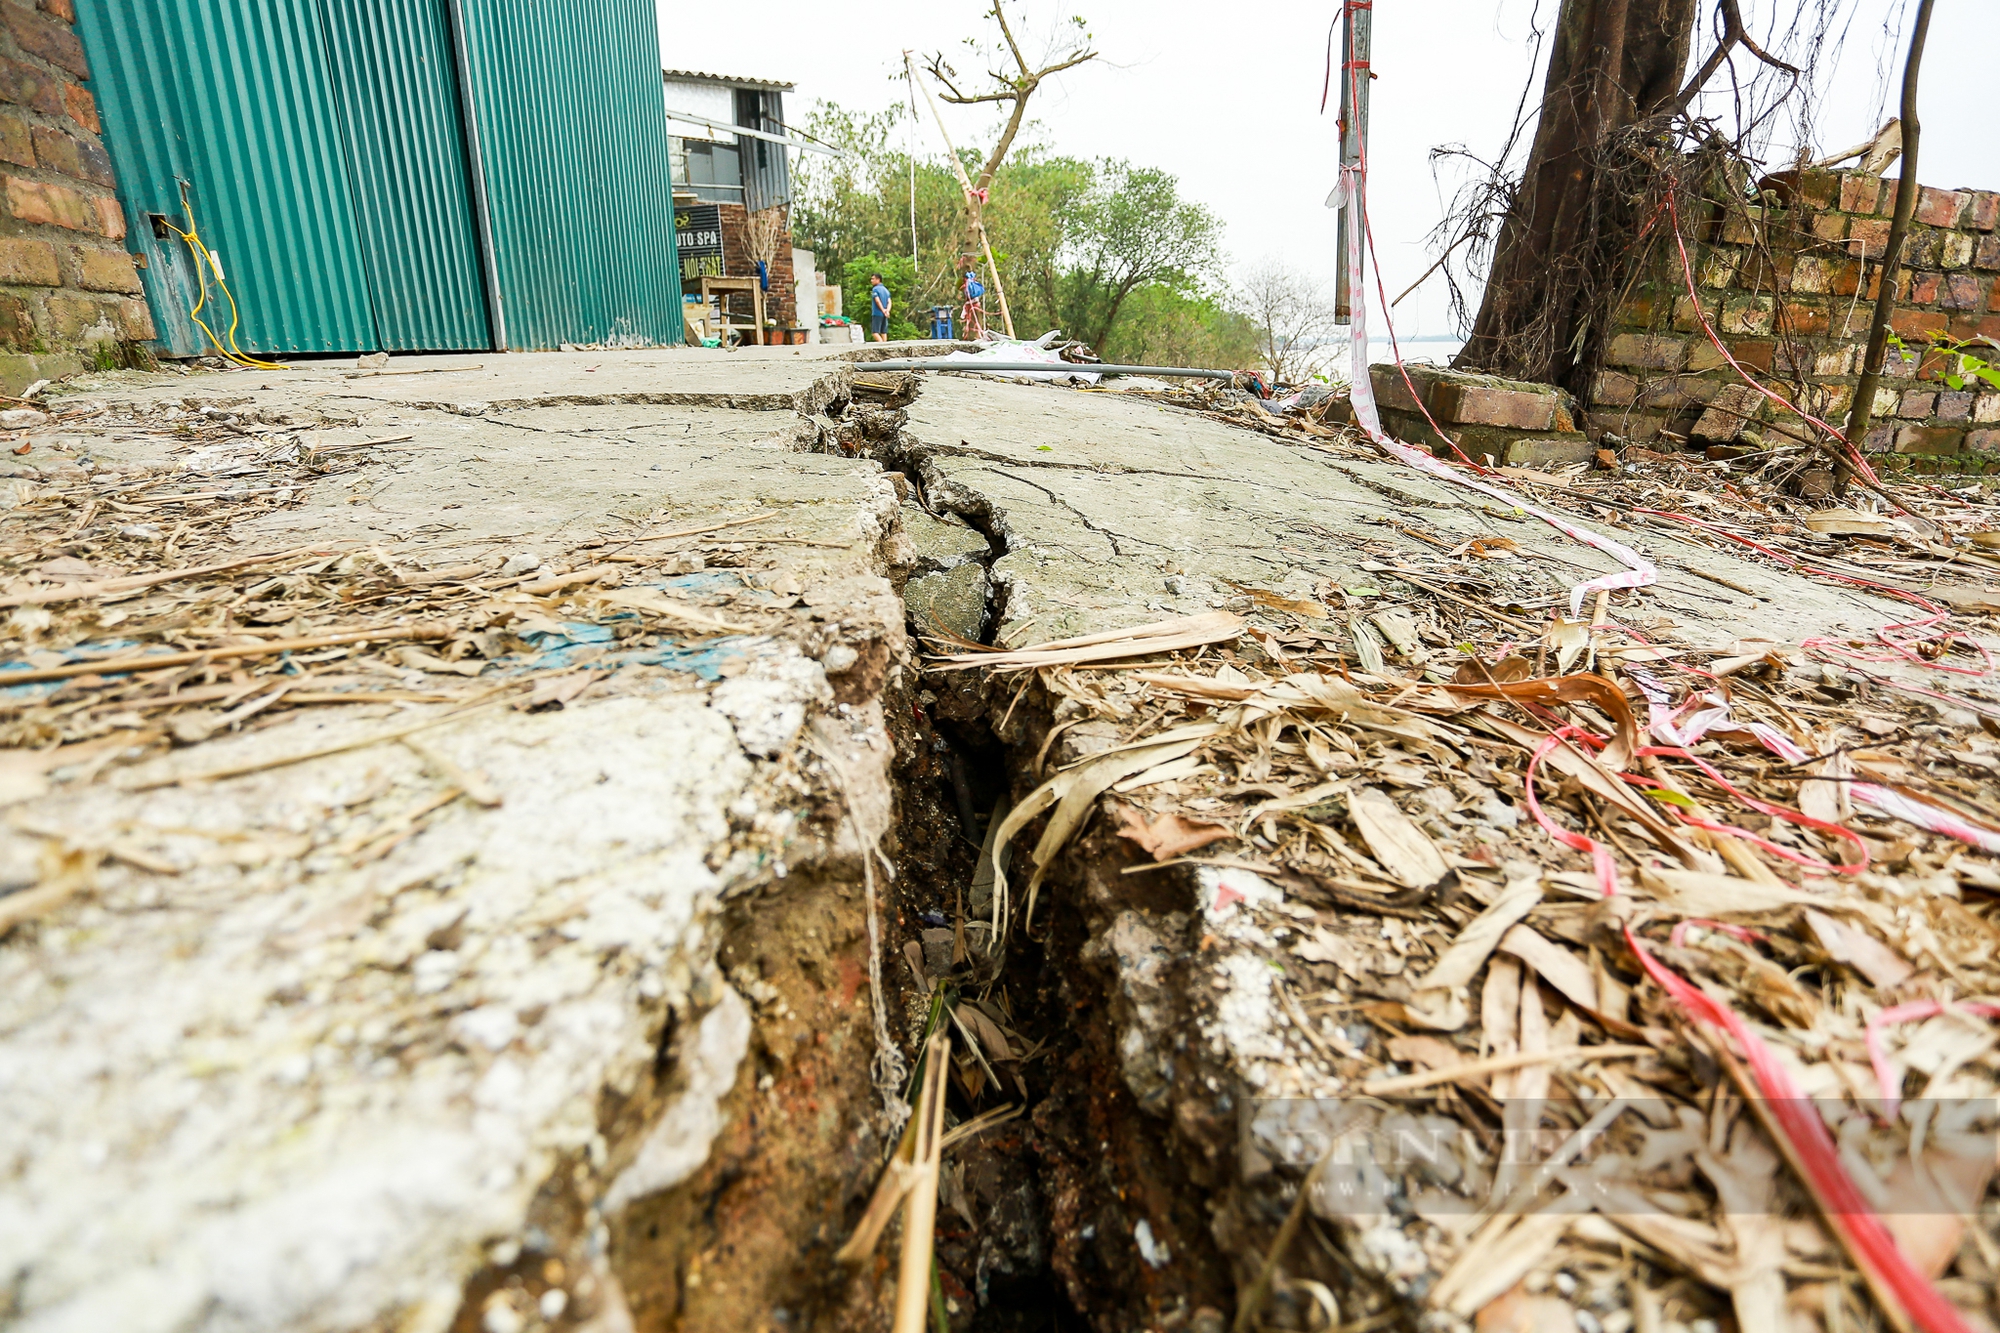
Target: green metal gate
x,y
326,153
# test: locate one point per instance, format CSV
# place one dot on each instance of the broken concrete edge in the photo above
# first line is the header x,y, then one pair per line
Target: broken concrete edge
x,y
277,1262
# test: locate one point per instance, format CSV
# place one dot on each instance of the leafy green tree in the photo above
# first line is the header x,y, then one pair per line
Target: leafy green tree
x,y
1074,239
1133,230
905,299
1165,326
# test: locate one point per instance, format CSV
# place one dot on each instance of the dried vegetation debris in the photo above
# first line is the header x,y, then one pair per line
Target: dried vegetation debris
x,y
1366,942
138,621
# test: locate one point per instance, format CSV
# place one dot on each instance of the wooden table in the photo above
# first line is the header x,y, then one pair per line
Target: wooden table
x,y
723,287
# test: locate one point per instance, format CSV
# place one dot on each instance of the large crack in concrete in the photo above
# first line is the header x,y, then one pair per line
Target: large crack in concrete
x,y
636,1095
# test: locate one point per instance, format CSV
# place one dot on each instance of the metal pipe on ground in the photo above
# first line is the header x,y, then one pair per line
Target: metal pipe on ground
x,y
1019,367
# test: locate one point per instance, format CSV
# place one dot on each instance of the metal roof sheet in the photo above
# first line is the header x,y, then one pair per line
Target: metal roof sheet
x,y
730,79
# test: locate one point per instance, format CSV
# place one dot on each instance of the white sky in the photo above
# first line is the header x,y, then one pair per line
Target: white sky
x,y
1227,98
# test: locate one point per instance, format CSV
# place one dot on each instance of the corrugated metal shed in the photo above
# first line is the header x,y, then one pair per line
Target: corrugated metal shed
x,y
336,154
574,134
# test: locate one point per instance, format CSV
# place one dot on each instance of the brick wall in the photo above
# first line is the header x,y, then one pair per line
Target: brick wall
x,y
67,285
1789,286
781,302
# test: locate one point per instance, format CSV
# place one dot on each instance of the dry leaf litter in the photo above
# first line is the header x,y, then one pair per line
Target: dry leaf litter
x,y
1395,810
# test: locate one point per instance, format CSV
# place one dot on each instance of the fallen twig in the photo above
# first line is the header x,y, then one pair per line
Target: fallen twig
x,y
150,661
78,591
1495,1064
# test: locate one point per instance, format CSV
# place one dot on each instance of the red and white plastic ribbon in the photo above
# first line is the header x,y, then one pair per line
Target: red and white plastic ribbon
x,y
1638,573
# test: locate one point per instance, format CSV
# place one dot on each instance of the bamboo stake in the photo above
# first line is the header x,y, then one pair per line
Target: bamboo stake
x,y
913,1277
971,203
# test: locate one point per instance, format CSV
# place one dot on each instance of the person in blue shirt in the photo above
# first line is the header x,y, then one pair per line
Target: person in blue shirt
x,y
878,309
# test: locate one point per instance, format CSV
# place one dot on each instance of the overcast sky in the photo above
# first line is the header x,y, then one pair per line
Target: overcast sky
x,y
1227,97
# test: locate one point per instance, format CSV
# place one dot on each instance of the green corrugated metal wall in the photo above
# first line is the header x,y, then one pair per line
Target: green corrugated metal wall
x,y
569,92
232,98
394,76
324,149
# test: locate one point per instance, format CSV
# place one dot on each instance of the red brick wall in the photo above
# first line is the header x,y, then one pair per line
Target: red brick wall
x,y
1789,286
65,277
781,302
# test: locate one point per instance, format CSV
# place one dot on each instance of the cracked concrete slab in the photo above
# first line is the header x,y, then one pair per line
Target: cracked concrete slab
x,y
1123,510
292,1068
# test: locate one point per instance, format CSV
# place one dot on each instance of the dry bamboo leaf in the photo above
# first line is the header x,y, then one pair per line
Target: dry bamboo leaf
x,y
652,601
1859,950
1402,848
1568,760
1430,1052
1298,606
1169,835
1569,638
1483,1272
1556,965
1072,792
1853,523
1700,893
1587,687
1926,1210
1139,641
1439,1001
559,690
420,660
1366,650
1195,685
1500,1019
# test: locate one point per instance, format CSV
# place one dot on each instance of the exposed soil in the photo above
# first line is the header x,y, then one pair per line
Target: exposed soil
x,y
1038,1217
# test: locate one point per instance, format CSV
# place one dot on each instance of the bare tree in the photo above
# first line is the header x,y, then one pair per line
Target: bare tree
x,y
1294,320
1614,93
1011,86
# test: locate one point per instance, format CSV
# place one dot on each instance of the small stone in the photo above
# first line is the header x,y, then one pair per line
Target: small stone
x,y
500,1316
371,361
22,418
1177,585
839,658
522,562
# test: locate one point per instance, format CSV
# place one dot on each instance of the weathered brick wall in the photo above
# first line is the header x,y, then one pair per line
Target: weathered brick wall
x,y
781,302
67,285
1789,287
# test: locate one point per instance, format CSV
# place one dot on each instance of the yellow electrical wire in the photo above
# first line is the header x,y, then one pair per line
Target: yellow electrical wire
x,y
203,262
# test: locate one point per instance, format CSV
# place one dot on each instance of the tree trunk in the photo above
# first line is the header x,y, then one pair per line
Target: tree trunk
x,y
1611,63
